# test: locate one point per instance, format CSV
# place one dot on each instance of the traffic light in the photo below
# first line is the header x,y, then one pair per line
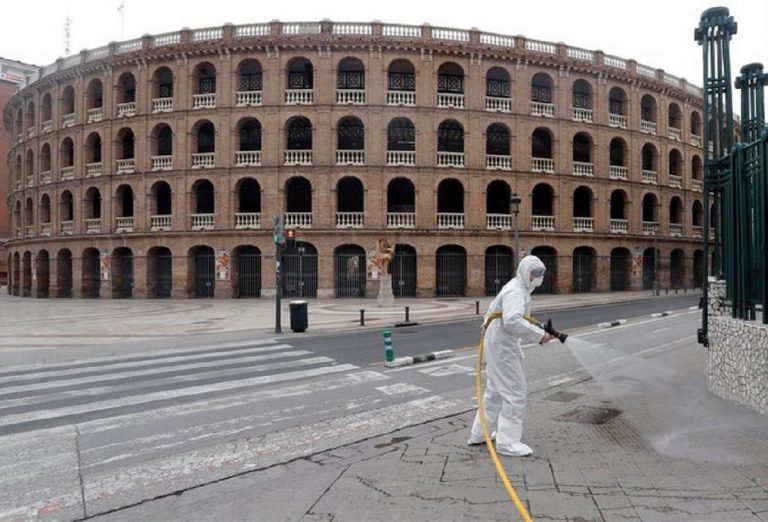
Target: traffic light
x,y
290,238
277,230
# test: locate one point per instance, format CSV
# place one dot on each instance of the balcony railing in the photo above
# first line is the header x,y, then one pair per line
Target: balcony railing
x,y
29,230
31,181
675,181
202,221
447,220
204,101
298,157
648,126
350,96
350,157
617,120
401,157
203,160
46,176
583,115
697,231
47,126
619,226
67,173
126,166
18,233
67,120
650,227
583,224
450,159
162,162
123,224
247,220
401,220
126,109
676,229
93,170
581,168
247,158
494,161
450,101
30,132
674,134
498,221
162,105
543,165
498,104
93,226
695,140
157,223
248,98
349,219
543,109
96,114
299,96
546,223
298,219
45,229
67,227
407,98
696,184
618,172
649,176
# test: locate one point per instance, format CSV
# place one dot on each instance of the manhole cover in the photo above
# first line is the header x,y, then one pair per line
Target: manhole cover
x,y
589,415
564,396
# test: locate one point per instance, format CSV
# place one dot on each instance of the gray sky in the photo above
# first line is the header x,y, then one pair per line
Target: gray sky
x,y
658,33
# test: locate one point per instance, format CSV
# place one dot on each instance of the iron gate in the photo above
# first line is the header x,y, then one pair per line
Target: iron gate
x,y
249,272
451,265
163,275
404,271
64,275
205,273
498,269
91,276
299,271
677,270
582,273
349,271
649,269
619,271
124,285
550,262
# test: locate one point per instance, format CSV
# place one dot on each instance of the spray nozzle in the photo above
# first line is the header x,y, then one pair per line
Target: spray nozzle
x,y
547,327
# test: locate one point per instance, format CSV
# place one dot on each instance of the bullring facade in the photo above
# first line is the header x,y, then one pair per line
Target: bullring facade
x,y
155,167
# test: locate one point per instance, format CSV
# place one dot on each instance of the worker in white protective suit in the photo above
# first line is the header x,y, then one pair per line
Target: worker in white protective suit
x,y
504,328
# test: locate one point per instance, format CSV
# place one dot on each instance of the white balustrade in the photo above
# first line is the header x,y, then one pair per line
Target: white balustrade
x,y
618,172
31,132
402,31
203,160
93,170
695,140
157,223
619,226
497,39
649,176
650,227
30,181
46,176
711,234
446,220
581,168
675,181
301,28
162,162
204,101
248,98
297,219
697,231
18,183
542,109
207,35
349,219
498,222
450,159
401,157
202,221
450,101
67,227
350,96
495,161
543,165
352,28
162,105
648,127
676,229
46,229
674,134
540,47
545,223
401,220
251,30
583,224
298,157
29,231
18,233
162,40
47,126
583,115
646,71
247,158
407,98
580,54
350,157
95,114
126,109
498,104
67,120
617,120
126,166
67,173
123,224
247,220
696,185
455,35
299,96
93,226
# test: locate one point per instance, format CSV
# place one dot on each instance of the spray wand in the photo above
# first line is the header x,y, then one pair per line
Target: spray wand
x,y
547,327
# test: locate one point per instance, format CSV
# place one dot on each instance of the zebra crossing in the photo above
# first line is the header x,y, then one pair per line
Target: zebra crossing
x,y
85,437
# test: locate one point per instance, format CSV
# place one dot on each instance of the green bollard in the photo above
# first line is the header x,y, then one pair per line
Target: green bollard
x,y
389,354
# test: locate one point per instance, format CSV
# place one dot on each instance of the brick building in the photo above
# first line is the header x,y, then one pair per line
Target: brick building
x,y
154,167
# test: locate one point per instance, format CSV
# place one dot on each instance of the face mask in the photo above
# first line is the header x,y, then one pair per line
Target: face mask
x,y
537,282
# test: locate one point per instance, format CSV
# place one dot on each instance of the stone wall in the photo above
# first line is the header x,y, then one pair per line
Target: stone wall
x,y
737,363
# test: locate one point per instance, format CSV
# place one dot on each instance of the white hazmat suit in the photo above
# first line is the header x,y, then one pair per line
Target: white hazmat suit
x,y
504,399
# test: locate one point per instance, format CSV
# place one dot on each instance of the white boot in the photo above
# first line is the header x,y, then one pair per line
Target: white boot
x,y
516,449
474,441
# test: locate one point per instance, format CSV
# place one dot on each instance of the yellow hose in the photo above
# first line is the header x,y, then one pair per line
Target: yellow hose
x,y
487,436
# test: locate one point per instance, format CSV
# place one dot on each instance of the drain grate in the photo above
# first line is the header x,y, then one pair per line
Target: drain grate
x,y
564,396
589,415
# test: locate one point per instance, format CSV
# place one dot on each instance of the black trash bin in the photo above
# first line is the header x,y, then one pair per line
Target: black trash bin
x,y
299,319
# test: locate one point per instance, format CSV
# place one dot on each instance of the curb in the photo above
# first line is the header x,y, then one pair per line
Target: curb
x,y
613,323
405,361
661,314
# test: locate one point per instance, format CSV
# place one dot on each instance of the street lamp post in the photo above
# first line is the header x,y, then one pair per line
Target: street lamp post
x,y
657,230
514,206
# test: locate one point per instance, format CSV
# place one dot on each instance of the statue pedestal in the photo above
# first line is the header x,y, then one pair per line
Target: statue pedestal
x,y
385,297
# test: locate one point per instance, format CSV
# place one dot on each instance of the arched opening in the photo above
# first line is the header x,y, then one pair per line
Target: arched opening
x,y
497,140
677,268
450,204
541,88
401,76
648,110
247,276
159,272
621,269
161,203
548,256
248,193
497,84
350,134
64,273
450,137
498,268
497,200
126,94
618,204
26,280
298,195
650,263
349,271
299,135
541,143
204,79
122,273
451,271
249,80
300,74
300,270
401,137
583,269
450,79
581,96
350,75
162,89
349,195
403,268
43,273
202,262
582,149
617,103
91,280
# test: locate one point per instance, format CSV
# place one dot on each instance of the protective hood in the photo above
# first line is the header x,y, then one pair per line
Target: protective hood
x,y
527,265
